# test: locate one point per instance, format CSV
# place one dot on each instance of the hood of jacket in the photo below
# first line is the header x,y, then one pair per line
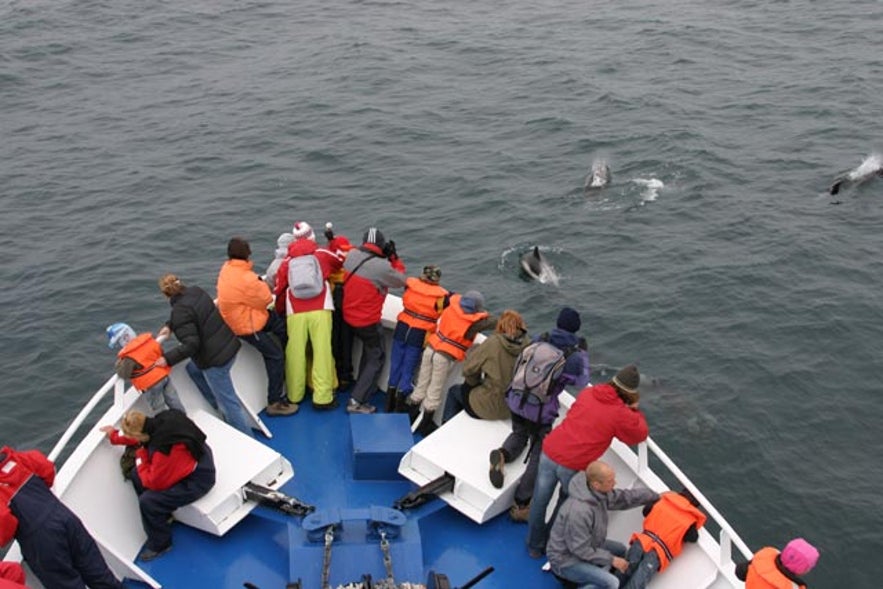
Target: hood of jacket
x,y
302,247
513,346
562,339
282,243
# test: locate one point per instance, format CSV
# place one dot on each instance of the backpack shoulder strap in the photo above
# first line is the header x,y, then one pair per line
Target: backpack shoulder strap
x,y
359,265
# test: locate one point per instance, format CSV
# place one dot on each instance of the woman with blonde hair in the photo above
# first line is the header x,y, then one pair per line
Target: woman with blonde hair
x,y
487,371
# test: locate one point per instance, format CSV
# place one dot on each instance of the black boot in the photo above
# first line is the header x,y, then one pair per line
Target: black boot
x,y
401,403
391,394
413,411
427,424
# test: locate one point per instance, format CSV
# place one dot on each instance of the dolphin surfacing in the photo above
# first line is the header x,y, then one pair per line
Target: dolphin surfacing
x,y
599,176
870,167
535,266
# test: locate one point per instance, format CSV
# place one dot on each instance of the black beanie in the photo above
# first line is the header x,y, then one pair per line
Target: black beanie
x,y
568,320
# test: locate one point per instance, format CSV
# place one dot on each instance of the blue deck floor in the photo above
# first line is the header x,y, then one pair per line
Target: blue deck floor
x,y
269,549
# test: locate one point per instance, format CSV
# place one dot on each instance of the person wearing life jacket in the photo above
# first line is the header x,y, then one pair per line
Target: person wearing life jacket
x,y
242,300
371,270
308,318
423,301
599,414
530,432
136,361
668,523
770,569
206,340
458,325
53,541
173,467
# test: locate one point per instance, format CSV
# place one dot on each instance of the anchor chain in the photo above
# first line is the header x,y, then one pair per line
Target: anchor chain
x,y
326,557
387,557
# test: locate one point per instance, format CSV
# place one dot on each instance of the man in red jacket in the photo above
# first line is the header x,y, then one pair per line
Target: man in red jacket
x,y
600,413
53,540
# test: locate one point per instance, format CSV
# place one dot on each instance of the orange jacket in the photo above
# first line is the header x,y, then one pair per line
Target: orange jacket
x,y
243,297
145,351
421,302
450,335
666,524
764,574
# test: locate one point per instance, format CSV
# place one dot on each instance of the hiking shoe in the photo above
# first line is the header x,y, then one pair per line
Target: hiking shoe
x,y
496,471
282,408
147,554
334,404
355,407
519,513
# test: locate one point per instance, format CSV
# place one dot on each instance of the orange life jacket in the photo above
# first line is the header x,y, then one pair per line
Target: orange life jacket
x,y
666,524
421,304
764,574
450,335
145,351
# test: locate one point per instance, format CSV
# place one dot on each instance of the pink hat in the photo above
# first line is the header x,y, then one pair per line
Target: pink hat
x,y
799,556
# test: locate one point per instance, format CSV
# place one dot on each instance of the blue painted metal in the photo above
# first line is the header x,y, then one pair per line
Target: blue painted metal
x,y
270,549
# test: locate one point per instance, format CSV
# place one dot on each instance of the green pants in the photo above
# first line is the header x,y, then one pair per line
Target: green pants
x,y
313,327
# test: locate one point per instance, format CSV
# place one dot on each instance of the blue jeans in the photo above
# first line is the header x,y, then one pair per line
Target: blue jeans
x,y
454,403
273,353
216,386
549,473
590,576
642,567
407,349
163,395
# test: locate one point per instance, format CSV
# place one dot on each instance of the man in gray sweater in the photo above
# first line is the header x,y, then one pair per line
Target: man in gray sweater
x,y
578,548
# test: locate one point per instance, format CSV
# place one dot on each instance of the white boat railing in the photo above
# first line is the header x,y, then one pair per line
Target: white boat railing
x,y
728,536
114,383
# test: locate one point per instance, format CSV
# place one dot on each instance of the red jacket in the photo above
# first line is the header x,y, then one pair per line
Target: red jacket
x,y
12,576
156,470
330,263
16,469
597,416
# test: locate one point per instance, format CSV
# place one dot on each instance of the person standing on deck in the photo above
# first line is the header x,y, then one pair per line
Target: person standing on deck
x,y
770,569
211,347
529,429
600,413
371,270
243,299
423,302
302,289
136,361
53,540
457,327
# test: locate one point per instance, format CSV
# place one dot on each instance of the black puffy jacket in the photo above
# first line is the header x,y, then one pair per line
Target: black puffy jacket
x,y
200,329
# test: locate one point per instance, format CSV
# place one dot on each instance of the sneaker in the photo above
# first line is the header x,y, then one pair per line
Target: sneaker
x,y
147,554
282,408
355,407
519,513
334,404
496,472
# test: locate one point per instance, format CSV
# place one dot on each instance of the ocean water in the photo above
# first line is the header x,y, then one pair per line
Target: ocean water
x,y
138,137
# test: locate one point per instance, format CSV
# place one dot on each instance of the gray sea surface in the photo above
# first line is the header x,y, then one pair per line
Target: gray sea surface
x,y
137,137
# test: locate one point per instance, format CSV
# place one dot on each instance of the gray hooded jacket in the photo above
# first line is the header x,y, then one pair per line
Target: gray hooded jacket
x,y
580,528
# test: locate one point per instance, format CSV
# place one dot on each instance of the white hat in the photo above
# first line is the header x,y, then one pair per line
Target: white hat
x,y
302,230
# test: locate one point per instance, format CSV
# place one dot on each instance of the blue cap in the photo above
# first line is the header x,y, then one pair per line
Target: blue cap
x,y
119,333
